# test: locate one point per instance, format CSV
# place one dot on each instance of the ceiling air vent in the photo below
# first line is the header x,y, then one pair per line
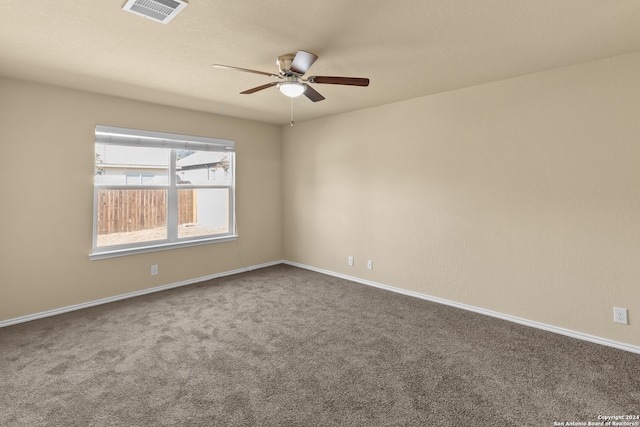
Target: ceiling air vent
x,y
158,10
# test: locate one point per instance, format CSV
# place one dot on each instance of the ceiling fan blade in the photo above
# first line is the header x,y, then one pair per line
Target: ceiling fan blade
x,y
313,94
256,89
302,61
349,81
246,70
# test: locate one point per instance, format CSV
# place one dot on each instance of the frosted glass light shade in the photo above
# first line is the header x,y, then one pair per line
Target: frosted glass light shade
x,y
291,89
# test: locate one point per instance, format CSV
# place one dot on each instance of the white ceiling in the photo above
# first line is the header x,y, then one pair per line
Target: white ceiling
x,y
408,48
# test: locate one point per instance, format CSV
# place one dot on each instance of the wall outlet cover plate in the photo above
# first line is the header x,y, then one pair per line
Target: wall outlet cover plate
x,y
620,315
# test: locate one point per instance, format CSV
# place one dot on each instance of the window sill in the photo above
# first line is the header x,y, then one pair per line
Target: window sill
x,y
157,247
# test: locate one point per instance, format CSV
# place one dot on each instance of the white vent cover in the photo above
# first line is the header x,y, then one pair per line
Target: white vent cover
x,y
158,10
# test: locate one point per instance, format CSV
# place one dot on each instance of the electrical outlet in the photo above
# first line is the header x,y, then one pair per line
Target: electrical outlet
x,y
154,269
350,261
620,315
370,265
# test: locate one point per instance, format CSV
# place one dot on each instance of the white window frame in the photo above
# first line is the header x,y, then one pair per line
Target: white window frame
x,y
174,142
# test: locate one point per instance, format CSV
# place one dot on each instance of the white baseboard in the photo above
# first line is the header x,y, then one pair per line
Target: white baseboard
x,y
107,300
526,322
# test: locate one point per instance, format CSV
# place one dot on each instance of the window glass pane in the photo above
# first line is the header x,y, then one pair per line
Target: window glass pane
x,y
153,187
203,211
125,165
202,167
131,216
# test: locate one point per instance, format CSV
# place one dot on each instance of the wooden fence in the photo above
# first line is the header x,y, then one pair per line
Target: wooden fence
x,y
134,210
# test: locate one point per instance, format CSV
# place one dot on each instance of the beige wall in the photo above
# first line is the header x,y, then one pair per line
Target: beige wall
x,y
46,183
520,196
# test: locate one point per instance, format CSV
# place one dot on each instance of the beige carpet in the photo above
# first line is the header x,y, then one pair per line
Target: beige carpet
x,y
284,346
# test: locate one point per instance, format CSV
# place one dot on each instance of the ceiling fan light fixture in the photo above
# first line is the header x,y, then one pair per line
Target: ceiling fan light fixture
x,y
292,89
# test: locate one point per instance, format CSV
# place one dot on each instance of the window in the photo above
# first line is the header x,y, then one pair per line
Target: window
x,y
155,190
139,178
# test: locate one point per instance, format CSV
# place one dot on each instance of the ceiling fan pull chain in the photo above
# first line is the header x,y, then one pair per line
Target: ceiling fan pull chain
x,y
291,122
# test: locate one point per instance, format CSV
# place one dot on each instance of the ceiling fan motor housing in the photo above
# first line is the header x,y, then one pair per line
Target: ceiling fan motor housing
x,y
284,64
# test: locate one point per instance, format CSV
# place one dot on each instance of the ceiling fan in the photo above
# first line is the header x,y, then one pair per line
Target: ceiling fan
x,y
291,68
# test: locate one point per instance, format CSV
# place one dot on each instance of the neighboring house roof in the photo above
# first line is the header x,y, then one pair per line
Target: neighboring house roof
x,y
201,158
